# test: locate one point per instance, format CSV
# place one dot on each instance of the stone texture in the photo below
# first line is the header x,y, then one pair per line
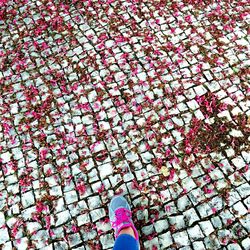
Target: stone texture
x,y
148,99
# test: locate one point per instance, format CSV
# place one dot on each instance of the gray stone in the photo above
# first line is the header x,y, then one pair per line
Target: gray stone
x,y
28,199
2,219
246,243
165,240
83,219
4,235
74,239
149,244
107,241
216,222
198,245
70,197
97,214
244,191
177,221
204,210
40,238
183,202
246,222
234,246
60,245
195,233
181,238
21,243
191,216
62,217
148,229
94,202
238,209
33,226
7,246
161,225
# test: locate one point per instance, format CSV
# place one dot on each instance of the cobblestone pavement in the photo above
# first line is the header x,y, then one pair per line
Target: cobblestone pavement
x,y
150,99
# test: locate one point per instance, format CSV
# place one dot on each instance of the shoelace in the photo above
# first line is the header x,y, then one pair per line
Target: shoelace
x,y
122,215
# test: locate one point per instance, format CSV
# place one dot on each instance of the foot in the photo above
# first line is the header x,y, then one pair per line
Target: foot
x,y
120,216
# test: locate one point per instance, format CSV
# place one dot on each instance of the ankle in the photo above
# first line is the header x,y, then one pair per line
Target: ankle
x,y
127,230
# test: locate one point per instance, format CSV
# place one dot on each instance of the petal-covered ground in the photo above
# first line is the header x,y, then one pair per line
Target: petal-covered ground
x,y
150,99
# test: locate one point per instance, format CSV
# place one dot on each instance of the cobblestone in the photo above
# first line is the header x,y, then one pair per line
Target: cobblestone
x,y
149,99
181,238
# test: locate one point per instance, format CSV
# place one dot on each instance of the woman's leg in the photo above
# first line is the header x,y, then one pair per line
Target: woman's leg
x,y
126,242
120,215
